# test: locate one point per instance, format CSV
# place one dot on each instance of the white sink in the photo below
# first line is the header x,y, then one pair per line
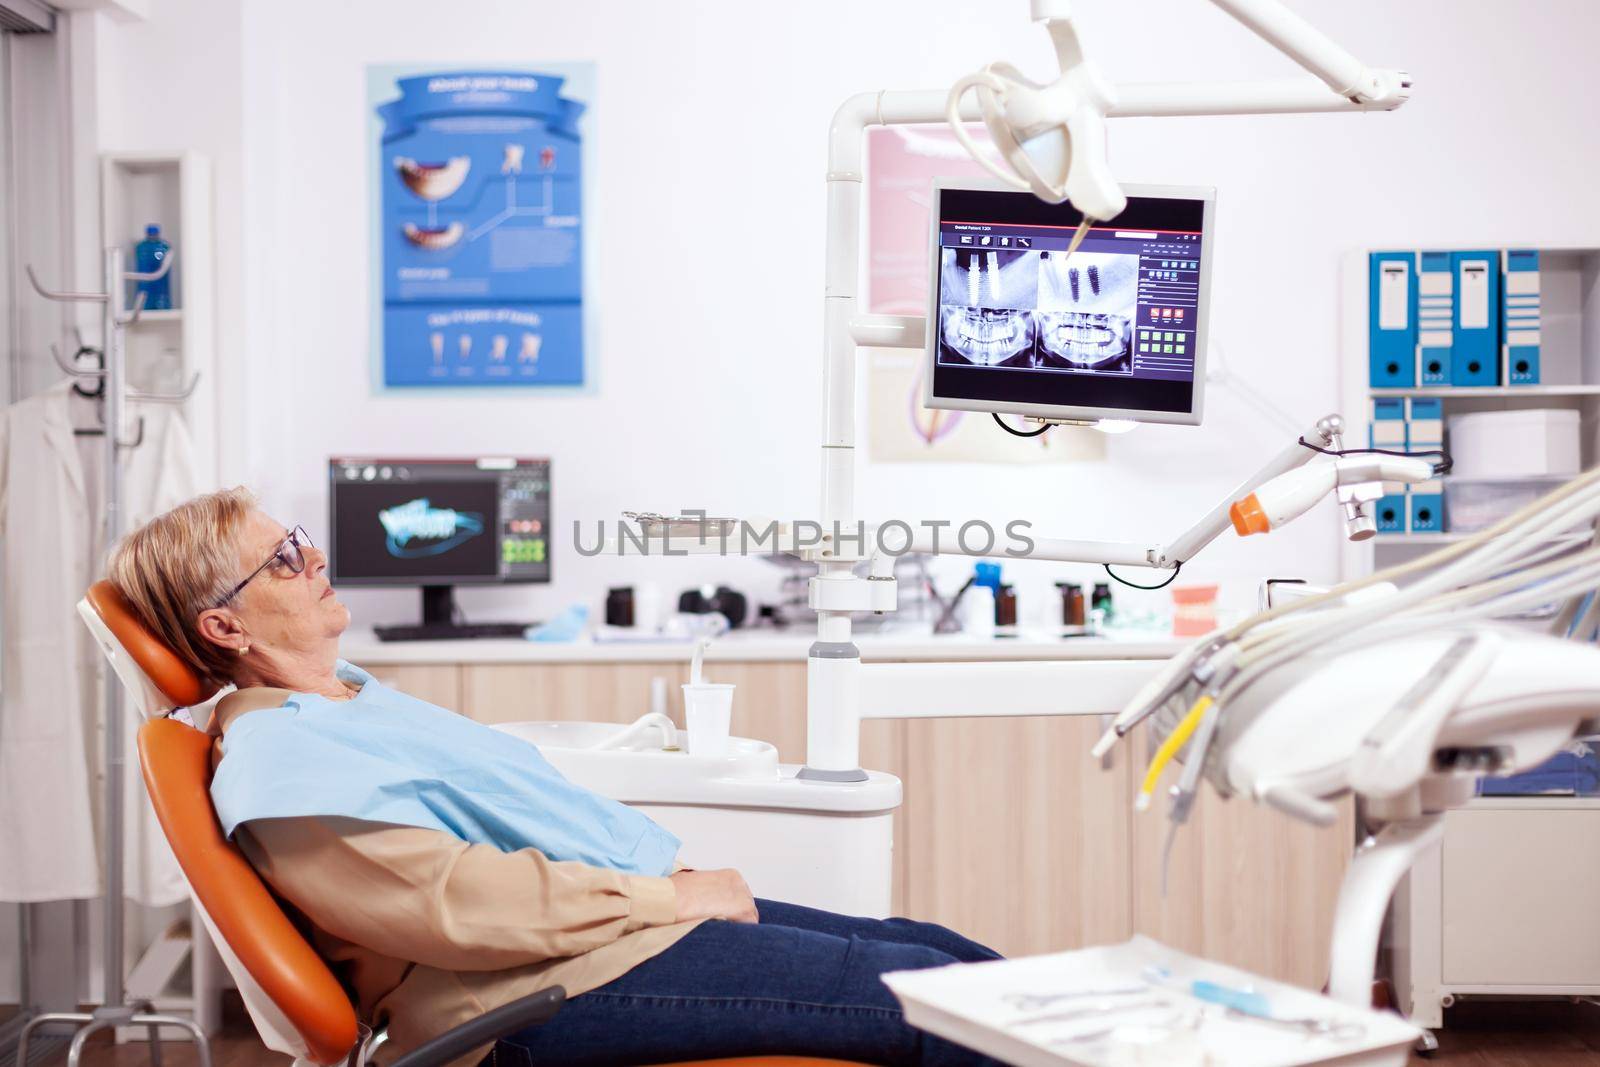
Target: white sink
x,y
642,767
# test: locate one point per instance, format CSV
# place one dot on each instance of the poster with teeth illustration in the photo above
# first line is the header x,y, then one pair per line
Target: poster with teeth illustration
x,y
480,185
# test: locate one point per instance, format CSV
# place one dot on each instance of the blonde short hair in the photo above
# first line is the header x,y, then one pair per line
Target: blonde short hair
x,y
180,564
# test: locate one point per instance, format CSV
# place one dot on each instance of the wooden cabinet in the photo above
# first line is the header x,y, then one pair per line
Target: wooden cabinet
x,y
437,683
1010,832
1015,835
601,692
1247,885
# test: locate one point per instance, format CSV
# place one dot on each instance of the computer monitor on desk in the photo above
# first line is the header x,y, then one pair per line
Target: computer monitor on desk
x,y
437,524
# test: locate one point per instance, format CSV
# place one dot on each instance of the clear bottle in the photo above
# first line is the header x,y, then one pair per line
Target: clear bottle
x,y
149,254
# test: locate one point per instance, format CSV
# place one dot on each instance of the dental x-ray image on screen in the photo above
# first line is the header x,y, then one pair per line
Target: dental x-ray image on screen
x,y
1087,307
987,297
1115,330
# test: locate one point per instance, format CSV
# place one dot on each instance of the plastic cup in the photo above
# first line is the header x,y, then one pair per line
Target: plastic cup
x,y
708,712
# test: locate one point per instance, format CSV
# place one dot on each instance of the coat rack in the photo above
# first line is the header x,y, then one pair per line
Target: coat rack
x,y
115,1010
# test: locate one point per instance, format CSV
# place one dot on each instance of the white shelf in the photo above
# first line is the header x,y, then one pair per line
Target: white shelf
x,y
1492,390
1448,538
161,315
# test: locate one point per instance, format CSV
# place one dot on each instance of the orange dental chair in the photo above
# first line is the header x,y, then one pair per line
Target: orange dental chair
x,y
296,1003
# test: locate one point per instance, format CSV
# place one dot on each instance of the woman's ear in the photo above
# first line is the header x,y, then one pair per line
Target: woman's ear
x,y
222,627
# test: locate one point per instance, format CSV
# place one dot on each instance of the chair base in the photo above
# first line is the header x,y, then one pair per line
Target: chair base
x,y
109,1017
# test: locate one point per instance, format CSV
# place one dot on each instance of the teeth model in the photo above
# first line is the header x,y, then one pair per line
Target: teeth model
x,y
497,351
434,240
433,181
437,341
512,164
531,343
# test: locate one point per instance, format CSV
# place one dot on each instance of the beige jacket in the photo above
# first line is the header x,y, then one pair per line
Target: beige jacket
x,y
427,931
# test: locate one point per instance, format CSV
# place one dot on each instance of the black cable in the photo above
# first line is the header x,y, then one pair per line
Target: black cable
x,y
1176,567
1018,433
1442,467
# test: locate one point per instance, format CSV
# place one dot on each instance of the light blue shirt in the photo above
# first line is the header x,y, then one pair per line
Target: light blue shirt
x,y
387,757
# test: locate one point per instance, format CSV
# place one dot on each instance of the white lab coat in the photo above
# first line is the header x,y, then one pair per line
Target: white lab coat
x,y
51,683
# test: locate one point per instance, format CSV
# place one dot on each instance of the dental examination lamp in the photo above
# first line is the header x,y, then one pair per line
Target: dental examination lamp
x,y
1052,137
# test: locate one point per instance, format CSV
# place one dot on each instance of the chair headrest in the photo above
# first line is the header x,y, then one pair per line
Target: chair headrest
x,y
162,668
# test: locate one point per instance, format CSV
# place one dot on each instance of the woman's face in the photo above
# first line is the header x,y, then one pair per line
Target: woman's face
x,y
280,609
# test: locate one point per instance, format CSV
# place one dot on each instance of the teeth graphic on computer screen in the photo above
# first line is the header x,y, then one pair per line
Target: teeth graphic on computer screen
x,y
433,181
529,353
436,340
465,345
512,163
434,239
497,351
1083,339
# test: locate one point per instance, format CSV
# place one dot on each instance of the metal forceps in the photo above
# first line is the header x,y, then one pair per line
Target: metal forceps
x,y
1033,1001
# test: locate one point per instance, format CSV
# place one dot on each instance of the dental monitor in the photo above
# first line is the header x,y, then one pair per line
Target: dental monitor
x,y
437,524
1116,330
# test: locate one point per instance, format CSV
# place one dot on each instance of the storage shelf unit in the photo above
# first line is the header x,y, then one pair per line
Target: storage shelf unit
x,y
1570,368
164,349
1500,908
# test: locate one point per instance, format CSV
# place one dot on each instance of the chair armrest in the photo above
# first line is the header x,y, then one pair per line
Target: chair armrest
x,y
503,1021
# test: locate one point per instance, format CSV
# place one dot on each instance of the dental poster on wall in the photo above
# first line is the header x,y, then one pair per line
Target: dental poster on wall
x,y
479,182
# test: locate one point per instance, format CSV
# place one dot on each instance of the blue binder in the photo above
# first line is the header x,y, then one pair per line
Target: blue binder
x,y
1521,315
1424,423
1392,320
1388,426
1436,310
1426,500
1390,513
1475,349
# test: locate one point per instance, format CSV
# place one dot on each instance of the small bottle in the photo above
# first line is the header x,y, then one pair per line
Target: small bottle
x,y
1005,607
1072,607
619,606
149,254
1100,603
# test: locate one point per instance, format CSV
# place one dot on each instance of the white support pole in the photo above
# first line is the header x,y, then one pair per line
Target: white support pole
x,y
1364,896
114,383
833,696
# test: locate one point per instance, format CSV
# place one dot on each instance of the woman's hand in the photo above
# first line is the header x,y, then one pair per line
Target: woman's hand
x,y
714,895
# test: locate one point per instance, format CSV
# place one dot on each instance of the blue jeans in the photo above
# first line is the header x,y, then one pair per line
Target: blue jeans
x,y
802,982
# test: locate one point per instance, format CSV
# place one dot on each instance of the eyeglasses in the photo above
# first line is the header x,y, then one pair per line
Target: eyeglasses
x,y
288,555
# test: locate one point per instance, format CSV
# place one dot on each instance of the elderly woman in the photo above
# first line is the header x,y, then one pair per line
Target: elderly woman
x,y
444,868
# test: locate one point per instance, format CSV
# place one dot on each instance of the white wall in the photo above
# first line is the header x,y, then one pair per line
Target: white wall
x,y
711,117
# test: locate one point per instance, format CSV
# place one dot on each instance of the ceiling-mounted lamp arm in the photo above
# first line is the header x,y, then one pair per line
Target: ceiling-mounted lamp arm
x,y
1318,53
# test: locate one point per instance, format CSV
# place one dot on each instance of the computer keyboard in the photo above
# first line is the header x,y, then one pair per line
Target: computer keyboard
x,y
451,631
